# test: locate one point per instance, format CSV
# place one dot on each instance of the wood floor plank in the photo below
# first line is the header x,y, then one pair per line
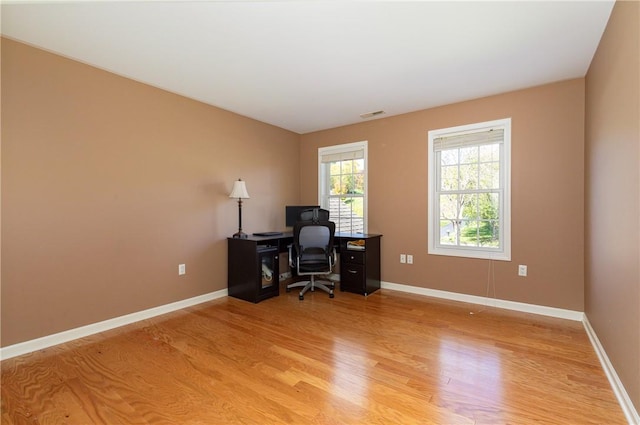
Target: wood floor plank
x,y
387,358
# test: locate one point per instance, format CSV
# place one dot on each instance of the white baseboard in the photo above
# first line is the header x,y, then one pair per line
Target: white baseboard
x,y
621,394
94,328
491,302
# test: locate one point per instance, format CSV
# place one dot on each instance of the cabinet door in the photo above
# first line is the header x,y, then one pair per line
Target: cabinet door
x,y
268,273
242,263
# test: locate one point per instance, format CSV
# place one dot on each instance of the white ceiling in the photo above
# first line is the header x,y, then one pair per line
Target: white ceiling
x,y
312,65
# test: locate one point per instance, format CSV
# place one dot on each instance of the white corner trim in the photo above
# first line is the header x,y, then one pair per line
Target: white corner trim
x,y
94,328
490,302
621,394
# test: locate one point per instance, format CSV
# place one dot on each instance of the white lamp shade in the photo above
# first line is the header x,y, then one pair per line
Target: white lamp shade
x,y
239,190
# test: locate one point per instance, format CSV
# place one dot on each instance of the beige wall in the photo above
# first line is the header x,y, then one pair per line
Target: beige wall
x,y
547,194
109,184
612,281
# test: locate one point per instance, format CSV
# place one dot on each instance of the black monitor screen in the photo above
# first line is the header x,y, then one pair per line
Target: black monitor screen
x,y
292,212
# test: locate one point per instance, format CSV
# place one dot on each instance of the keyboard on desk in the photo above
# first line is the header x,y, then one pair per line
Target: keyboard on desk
x,y
267,234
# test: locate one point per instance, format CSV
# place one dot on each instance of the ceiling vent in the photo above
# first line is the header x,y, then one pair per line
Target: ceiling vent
x,y
371,114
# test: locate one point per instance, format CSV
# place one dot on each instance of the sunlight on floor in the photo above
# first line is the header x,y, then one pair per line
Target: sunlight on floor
x,y
474,386
351,372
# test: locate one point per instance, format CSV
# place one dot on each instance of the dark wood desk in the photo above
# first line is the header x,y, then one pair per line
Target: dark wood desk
x,y
253,264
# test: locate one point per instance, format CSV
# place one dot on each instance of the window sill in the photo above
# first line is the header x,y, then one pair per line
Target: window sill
x,y
471,253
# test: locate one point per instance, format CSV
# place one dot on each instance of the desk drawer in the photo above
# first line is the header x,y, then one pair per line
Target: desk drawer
x,y
352,257
352,277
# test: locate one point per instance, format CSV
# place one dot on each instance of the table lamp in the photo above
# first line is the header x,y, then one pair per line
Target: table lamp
x,y
239,191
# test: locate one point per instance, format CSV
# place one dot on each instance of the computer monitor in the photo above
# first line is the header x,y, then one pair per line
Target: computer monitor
x,y
292,213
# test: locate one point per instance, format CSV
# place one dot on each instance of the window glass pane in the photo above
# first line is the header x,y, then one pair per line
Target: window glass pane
x,y
469,206
334,210
345,166
489,175
346,185
334,185
489,206
489,153
334,168
468,233
357,215
488,233
468,176
449,206
353,184
358,183
496,175
358,206
469,155
448,232
449,157
449,178
348,213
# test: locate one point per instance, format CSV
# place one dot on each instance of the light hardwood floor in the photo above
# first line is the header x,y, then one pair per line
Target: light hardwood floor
x,y
391,358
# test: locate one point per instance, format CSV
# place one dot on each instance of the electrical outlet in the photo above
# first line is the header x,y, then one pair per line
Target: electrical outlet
x,y
522,270
403,258
182,269
409,259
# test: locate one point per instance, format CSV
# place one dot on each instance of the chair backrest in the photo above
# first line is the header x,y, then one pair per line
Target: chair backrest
x,y
313,240
314,214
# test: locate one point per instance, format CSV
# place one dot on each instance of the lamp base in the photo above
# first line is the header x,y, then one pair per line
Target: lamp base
x,y
240,235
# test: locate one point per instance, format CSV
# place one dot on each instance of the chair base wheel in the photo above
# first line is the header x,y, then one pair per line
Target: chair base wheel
x,y
301,297
330,295
288,289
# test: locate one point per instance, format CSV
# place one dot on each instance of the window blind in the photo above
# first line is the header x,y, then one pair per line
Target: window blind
x,y
341,156
486,137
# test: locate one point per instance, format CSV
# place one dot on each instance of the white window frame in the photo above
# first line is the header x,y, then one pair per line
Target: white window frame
x,y
323,175
434,246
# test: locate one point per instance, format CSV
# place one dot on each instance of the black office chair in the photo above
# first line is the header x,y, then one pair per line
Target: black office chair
x,y
314,214
314,254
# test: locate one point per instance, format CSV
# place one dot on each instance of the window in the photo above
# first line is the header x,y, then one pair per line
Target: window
x,y
469,190
342,180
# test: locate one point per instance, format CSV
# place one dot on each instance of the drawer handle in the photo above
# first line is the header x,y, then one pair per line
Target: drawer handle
x,y
352,271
